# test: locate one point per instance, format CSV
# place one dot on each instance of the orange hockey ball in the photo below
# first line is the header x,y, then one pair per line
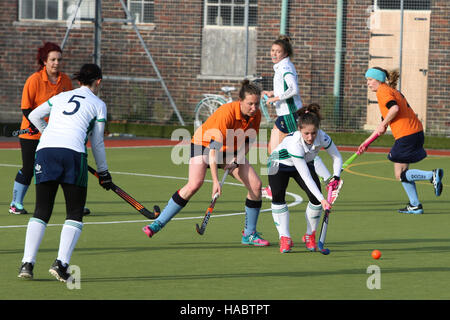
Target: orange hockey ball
x,y
376,254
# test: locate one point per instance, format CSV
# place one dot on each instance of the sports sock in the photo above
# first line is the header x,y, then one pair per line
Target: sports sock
x,y
175,204
415,175
410,188
69,236
252,209
35,233
19,192
321,169
280,214
312,215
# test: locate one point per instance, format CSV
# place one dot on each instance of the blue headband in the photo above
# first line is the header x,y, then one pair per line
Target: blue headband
x,y
376,74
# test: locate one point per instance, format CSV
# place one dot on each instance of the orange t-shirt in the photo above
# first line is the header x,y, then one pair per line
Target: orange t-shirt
x,y
406,121
227,123
39,89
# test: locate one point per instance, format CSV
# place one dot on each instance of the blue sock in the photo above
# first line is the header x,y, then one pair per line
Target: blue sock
x,y
410,188
415,175
175,204
19,192
252,209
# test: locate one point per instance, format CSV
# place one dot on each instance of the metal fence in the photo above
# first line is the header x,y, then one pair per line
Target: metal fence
x,y
399,32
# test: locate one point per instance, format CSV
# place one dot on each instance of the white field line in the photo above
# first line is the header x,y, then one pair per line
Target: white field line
x,y
297,200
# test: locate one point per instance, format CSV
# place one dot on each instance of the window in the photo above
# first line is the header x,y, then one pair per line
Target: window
x,y
55,10
407,4
230,13
225,38
142,10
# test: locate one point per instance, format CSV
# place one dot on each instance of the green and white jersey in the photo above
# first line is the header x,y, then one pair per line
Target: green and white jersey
x,y
73,116
285,86
294,152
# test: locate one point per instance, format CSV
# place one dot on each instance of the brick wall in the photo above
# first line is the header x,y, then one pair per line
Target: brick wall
x,y
174,41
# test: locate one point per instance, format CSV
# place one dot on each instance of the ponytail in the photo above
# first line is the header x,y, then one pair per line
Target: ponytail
x,y
309,115
248,87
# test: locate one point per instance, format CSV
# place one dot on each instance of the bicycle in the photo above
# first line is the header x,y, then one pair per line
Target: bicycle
x,y
206,107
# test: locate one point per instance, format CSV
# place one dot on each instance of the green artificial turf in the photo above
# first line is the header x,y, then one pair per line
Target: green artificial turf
x,y
118,261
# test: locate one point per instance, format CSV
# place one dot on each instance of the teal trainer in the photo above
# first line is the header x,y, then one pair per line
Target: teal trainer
x,y
151,229
254,239
412,209
438,174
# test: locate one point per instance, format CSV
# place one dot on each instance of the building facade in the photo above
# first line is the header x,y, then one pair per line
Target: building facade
x,y
198,46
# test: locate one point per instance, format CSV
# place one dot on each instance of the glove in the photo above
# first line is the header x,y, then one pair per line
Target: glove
x,y
334,182
105,180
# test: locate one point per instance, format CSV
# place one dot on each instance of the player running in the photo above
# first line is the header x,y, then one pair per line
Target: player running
x,y
408,134
61,159
222,142
294,158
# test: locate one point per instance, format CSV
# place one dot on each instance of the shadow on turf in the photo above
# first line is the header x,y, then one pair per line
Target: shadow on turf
x,y
386,207
297,274
334,247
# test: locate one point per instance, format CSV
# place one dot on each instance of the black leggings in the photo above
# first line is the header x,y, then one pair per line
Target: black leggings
x,y
279,183
28,148
75,197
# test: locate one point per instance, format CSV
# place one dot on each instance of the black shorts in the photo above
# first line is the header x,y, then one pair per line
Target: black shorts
x,y
408,149
198,150
279,182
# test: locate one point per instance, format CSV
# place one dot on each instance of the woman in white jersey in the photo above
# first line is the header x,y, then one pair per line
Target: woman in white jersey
x,y
61,159
294,158
286,98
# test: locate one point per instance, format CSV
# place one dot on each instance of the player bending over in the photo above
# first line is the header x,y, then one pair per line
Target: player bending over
x,y
221,142
294,158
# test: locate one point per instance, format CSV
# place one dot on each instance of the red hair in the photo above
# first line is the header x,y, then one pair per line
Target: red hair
x,y
43,52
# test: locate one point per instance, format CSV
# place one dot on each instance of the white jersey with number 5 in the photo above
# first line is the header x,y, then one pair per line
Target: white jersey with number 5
x,y
73,116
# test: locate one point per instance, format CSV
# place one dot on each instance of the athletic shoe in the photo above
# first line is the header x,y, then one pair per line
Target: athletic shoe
x,y
411,209
437,181
86,211
254,239
26,271
286,244
310,241
304,236
266,192
151,229
14,210
59,271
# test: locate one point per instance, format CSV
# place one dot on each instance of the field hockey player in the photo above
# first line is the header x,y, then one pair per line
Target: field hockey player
x,y
294,158
210,148
408,134
61,159
287,101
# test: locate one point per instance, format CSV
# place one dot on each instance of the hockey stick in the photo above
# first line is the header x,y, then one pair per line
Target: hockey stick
x,y
130,200
210,209
356,154
323,231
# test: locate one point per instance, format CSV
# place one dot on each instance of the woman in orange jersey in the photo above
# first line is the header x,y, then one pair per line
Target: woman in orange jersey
x,y
222,142
39,87
408,134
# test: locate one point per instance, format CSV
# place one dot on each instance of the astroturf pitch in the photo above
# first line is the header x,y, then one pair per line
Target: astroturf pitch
x,y
116,260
